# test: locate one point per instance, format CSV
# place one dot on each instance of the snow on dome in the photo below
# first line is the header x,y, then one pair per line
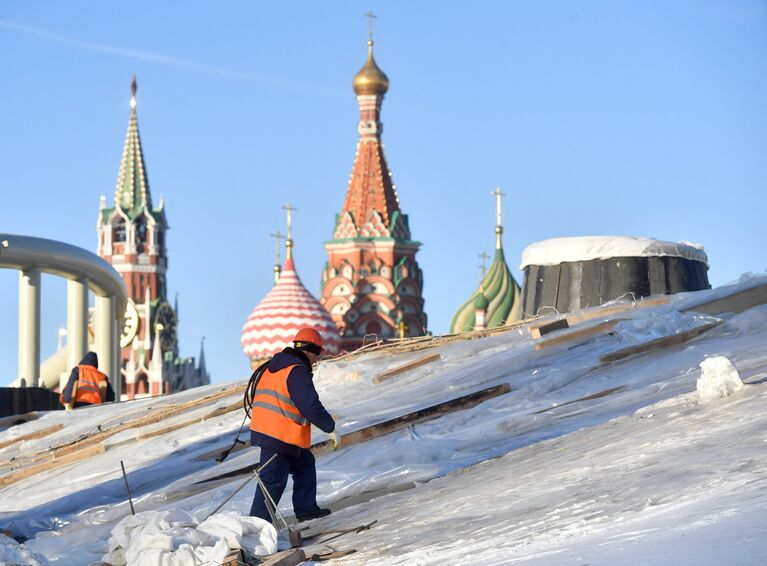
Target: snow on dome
x,y
284,310
585,248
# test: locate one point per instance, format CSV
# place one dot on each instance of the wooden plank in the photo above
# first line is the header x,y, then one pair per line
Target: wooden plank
x,y
559,339
599,395
170,428
151,418
33,435
234,559
398,423
391,425
407,367
291,557
542,329
54,462
658,343
736,303
13,420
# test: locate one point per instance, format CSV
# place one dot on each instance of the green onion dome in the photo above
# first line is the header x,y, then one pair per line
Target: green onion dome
x,y
502,294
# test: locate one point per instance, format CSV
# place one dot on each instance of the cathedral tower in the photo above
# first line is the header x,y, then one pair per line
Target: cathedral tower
x,y
372,285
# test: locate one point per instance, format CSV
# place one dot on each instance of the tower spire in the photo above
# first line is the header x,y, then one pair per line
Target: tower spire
x,y
133,89
132,190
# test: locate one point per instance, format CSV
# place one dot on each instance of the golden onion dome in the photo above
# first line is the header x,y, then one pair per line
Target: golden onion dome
x,y
370,79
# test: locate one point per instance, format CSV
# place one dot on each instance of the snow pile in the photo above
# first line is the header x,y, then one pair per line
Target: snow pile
x,y
177,538
719,378
11,552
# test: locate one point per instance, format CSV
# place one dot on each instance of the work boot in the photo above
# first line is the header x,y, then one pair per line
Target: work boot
x,y
315,513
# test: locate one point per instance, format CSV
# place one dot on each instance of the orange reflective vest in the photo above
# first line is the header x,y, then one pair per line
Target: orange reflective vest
x,y
91,386
273,412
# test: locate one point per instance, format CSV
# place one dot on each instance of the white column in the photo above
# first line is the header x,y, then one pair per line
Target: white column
x,y
77,321
107,341
29,326
116,375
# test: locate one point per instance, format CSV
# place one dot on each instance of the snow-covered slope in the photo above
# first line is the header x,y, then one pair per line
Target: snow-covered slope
x,y
582,462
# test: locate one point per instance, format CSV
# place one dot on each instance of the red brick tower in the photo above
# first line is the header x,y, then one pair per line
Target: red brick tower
x,y
372,284
132,238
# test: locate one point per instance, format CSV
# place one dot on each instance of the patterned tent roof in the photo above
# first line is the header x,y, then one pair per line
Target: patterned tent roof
x,y
284,310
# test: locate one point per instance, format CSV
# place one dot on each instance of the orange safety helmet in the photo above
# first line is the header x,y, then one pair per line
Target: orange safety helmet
x,y
309,335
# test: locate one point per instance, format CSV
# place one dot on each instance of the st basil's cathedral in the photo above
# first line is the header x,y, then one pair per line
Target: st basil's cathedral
x,y
371,284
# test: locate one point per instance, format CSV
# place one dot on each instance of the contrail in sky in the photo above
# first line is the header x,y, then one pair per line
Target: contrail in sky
x,y
162,59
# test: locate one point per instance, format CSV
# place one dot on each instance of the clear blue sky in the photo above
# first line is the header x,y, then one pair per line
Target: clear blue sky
x,y
596,118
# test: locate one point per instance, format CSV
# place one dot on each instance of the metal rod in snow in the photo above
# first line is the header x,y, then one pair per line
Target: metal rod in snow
x,y
127,487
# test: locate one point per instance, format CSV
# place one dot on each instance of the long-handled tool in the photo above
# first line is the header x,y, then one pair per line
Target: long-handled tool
x,y
274,512
271,507
243,484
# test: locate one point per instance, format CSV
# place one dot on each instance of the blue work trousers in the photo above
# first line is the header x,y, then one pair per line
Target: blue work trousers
x,y
275,478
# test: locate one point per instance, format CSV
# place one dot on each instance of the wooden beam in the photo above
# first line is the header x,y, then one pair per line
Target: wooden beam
x,y
33,435
54,462
215,413
609,310
564,338
599,395
391,425
291,557
427,414
658,343
407,367
159,414
538,330
735,303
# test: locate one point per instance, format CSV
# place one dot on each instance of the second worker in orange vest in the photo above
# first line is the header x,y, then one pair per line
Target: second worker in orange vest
x,y
284,407
86,385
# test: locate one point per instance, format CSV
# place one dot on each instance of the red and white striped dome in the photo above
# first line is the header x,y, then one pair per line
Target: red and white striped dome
x,y
284,310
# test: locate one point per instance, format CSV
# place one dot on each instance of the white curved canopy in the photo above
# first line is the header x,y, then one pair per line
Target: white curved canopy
x,y
585,248
65,260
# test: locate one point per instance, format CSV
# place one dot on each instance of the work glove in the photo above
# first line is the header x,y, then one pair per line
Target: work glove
x,y
336,438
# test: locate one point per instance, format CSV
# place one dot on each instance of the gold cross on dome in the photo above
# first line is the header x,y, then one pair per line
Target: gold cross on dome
x,y
370,16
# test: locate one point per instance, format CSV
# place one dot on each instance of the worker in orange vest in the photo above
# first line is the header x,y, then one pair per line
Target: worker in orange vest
x,y
86,385
284,406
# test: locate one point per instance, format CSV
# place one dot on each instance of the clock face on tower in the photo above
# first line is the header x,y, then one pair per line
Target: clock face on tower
x,y
165,316
131,325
